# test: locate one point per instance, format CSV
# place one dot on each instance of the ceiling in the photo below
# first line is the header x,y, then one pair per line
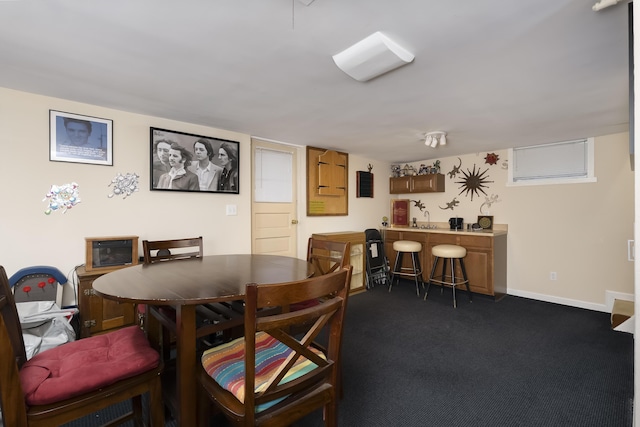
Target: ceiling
x,y
493,74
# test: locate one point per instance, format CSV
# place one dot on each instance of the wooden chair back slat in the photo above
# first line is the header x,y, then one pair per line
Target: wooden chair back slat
x,y
327,256
164,250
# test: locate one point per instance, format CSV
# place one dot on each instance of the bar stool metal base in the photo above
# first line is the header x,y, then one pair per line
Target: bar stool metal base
x,y
415,271
451,253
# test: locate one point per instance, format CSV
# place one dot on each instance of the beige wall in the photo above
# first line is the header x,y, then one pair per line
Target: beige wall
x,y
579,231
29,237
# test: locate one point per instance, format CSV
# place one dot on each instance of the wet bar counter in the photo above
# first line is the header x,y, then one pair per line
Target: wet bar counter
x,y
486,260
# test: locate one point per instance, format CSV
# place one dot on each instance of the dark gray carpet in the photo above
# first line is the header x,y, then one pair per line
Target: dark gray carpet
x,y
516,362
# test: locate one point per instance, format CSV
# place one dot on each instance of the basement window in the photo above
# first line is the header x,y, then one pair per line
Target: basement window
x,y
568,162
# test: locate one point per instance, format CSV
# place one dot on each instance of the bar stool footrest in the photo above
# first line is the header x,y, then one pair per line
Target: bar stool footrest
x,y
449,283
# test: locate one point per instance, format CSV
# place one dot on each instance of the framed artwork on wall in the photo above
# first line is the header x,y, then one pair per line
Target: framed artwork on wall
x,y
364,184
186,162
80,139
400,212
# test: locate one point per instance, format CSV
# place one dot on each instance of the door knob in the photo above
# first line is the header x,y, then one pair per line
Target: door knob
x,y
294,221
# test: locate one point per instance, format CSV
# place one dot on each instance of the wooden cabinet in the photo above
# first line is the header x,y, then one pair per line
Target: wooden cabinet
x,y
486,260
430,183
401,185
356,255
98,315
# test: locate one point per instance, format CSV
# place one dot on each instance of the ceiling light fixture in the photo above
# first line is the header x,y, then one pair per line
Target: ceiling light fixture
x,y
372,57
604,4
432,139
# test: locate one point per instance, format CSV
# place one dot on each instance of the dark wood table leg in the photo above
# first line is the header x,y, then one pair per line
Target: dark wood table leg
x,y
186,364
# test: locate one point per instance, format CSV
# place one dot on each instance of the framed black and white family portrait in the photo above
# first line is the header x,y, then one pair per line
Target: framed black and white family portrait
x,y
80,139
187,162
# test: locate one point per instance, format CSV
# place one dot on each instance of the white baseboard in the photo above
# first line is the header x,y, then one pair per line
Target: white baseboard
x,y
558,300
611,296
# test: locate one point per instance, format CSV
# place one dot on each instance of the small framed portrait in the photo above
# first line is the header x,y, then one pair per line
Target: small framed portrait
x,y
187,162
80,139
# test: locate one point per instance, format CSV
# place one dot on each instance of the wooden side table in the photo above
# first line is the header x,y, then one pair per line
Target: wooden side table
x,y
98,315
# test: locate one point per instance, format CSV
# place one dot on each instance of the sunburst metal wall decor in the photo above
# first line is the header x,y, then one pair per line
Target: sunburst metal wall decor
x,y
474,182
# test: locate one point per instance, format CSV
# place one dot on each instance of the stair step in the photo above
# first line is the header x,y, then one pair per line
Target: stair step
x,y
622,310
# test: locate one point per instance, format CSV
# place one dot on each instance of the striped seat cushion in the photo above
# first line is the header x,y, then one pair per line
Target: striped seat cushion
x,y
225,364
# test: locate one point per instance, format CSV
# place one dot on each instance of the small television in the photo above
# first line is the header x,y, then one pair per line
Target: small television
x,y
104,254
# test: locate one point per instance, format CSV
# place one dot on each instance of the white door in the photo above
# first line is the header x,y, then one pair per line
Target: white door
x,y
273,211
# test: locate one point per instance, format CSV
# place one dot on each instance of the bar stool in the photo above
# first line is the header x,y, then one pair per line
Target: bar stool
x,y
415,271
451,253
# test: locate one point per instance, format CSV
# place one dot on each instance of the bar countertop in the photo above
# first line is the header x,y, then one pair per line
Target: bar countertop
x,y
443,228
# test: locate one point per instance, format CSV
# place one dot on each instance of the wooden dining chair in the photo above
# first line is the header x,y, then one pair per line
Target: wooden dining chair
x,y
160,331
75,379
327,256
215,319
270,377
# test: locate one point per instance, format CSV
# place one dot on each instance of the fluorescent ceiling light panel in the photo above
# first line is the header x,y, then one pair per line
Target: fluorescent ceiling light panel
x,y
371,57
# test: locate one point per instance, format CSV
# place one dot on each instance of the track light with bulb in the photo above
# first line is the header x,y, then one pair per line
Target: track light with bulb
x,y
432,139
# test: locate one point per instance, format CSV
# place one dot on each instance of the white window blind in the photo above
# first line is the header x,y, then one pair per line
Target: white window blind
x,y
561,162
273,172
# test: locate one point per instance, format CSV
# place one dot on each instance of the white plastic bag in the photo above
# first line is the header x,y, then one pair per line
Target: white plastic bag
x,y
44,325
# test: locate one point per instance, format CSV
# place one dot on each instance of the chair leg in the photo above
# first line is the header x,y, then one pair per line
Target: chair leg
x,y
166,344
136,409
330,414
387,269
156,406
203,412
152,329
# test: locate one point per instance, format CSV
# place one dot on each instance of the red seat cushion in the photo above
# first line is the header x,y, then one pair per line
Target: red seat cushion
x,y
304,304
86,365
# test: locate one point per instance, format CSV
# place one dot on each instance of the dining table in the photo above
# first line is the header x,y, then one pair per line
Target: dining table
x,y
184,284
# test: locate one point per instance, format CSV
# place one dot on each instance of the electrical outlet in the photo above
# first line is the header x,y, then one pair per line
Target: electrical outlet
x,y
553,276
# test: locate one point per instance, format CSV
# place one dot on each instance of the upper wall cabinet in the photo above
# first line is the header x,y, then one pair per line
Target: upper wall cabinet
x,y
431,183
